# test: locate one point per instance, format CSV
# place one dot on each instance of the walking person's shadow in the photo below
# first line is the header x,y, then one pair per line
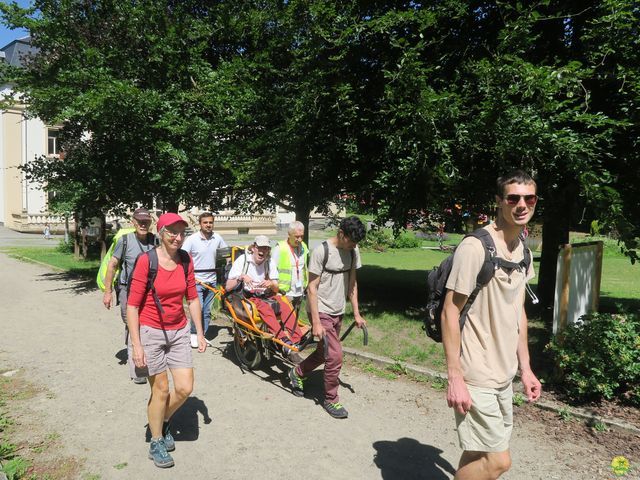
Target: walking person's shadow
x,y
408,459
184,424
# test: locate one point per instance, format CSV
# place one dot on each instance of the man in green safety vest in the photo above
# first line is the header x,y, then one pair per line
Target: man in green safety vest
x,y
291,256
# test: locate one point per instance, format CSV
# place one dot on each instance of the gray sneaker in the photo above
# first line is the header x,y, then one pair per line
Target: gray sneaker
x,y
158,453
169,442
336,410
297,383
139,380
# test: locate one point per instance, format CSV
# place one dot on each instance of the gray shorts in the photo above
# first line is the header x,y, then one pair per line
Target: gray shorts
x,y
164,349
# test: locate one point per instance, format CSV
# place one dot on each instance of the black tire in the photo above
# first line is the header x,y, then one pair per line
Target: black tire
x,y
247,350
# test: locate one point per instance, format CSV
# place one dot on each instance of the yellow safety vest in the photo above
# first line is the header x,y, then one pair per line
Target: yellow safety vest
x,y
285,265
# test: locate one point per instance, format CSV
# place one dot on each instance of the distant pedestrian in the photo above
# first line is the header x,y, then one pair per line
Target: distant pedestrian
x,y
47,231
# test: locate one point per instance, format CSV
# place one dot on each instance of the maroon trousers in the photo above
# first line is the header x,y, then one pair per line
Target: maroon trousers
x,y
291,328
333,362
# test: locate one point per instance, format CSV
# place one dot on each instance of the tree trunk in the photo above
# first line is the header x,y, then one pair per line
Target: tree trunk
x,y
558,214
103,236
303,212
66,229
76,236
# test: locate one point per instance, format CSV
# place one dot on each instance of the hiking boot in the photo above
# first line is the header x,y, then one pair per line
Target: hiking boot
x,y
297,383
194,340
336,410
158,453
139,380
169,442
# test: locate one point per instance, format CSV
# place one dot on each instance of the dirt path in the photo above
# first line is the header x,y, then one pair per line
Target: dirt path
x,y
235,426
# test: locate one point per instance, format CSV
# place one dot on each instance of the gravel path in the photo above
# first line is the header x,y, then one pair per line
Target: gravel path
x,y
235,426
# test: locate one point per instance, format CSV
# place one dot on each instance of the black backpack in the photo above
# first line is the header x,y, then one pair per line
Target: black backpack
x,y
153,273
438,276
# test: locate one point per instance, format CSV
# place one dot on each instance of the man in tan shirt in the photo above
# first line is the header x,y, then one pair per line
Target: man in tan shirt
x,y
483,358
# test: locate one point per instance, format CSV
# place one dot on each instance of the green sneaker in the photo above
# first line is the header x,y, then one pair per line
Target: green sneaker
x,y
297,383
158,453
336,410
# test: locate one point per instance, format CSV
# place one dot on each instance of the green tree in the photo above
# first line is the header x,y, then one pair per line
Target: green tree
x,y
134,86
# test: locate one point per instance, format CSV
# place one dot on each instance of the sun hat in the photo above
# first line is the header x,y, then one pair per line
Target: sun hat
x,y
262,241
167,219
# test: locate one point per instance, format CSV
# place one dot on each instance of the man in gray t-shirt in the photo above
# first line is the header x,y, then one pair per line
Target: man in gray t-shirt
x,y
332,279
136,242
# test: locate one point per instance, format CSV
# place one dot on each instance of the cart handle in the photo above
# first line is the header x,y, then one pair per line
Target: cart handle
x,y
365,332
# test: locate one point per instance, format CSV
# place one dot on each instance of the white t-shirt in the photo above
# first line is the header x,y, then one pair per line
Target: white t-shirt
x,y
203,252
256,272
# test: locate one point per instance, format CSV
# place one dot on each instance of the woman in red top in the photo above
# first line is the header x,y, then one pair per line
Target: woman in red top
x,y
161,339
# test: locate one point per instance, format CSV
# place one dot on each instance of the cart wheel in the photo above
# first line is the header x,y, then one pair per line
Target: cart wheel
x,y
247,350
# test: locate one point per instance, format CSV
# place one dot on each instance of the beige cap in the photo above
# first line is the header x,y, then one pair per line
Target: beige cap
x,y
262,241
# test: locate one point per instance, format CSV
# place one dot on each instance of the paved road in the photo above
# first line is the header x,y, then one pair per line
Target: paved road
x,y
236,425
10,238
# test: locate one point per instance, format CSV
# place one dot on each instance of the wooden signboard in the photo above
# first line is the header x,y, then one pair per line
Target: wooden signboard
x,y
578,275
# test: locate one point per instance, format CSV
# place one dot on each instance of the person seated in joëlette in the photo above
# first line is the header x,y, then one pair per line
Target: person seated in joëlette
x,y
259,276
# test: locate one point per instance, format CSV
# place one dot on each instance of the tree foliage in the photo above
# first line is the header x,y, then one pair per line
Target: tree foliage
x,y
134,86
411,106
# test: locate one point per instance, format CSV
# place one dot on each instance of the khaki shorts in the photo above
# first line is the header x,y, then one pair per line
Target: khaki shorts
x,y
164,349
487,426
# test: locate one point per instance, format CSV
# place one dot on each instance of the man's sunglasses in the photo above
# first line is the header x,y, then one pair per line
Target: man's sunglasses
x,y
513,199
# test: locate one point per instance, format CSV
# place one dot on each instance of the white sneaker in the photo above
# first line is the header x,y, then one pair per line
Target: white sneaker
x,y
194,340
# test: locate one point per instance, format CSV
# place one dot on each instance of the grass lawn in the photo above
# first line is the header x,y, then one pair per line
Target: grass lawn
x,y
52,256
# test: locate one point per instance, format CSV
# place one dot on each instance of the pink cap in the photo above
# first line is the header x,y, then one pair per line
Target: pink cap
x,y
170,218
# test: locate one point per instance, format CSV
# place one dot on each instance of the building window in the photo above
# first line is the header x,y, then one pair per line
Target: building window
x,y
52,142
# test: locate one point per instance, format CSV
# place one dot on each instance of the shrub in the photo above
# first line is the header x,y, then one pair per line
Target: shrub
x,y
65,247
406,240
377,238
600,358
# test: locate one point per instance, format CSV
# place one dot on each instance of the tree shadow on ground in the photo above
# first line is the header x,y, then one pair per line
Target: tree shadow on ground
x,y
389,290
79,281
408,459
184,424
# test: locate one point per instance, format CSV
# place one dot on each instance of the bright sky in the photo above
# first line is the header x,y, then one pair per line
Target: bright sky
x,y
6,35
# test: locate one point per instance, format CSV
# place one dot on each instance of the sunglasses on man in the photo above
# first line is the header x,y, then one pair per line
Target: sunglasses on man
x,y
513,199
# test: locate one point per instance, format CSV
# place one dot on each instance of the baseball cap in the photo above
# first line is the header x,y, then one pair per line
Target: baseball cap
x,y
167,219
262,241
141,214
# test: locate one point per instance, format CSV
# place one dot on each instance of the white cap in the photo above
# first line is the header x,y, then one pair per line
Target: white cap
x,y
262,241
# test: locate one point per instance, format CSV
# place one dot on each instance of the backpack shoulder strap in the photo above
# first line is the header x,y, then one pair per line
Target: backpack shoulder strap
x,y
325,258
486,271
245,265
185,260
123,256
151,278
